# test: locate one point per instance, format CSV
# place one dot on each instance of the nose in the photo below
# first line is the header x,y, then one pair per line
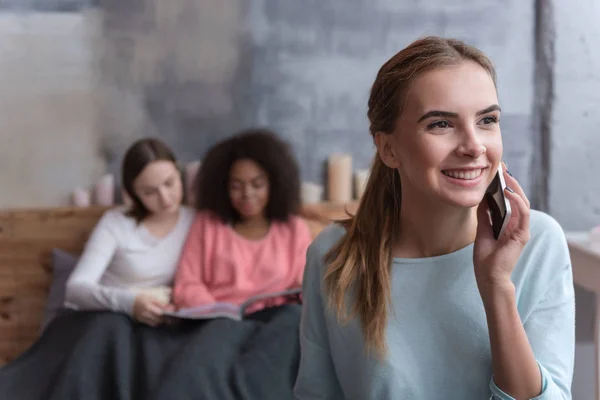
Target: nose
x,y
164,197
470,144
245,192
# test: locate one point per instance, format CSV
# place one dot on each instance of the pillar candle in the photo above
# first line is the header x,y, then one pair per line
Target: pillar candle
x,y
104,191
311,192
191,170
81,197
340,178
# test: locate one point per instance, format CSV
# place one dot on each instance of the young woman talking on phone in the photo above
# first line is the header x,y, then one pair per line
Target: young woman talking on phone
x,y
413,297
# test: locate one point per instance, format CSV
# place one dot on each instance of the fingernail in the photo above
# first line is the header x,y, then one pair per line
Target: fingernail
x,y
509,189
508,172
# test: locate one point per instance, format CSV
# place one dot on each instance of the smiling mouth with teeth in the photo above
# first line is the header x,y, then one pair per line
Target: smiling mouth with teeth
x,y
466,175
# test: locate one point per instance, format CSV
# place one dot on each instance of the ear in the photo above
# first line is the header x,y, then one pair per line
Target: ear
x,y
386,147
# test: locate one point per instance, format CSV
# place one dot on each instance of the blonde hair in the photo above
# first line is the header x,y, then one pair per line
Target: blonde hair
x,y
361,261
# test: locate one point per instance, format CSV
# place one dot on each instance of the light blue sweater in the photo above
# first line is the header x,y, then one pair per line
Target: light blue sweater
x,y
437,335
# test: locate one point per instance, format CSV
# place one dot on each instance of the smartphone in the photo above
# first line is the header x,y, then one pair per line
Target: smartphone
x,y
499,206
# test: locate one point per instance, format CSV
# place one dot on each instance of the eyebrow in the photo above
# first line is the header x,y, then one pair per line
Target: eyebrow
x,y
448,114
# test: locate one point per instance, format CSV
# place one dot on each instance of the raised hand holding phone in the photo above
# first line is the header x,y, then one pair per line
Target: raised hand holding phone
x,y
495,258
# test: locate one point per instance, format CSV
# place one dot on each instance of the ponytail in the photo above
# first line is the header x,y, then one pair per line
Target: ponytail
x,y
361,261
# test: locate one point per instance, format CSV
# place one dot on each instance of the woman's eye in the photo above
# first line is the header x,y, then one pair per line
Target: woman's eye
x,y
489,120
439,125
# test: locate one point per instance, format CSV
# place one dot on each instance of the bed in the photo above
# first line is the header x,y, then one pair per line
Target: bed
x,y
27,238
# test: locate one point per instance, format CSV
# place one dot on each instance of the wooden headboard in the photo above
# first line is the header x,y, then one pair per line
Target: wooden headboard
x,y
27,238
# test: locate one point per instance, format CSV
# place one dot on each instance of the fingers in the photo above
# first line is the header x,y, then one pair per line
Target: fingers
x,y
512,183
521,213
150,319
152,314
155,308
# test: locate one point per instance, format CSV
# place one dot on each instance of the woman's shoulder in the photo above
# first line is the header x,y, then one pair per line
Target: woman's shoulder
x,y
544,267
204,220
546,255
545,229
116,217
296,224
316,254
326,239
116,223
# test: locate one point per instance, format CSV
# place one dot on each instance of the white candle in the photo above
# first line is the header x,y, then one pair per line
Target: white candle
x,y
104,191
81,197
361,177
340,178
311,192
191,170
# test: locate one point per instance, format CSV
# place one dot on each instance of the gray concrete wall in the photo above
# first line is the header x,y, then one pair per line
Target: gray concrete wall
x,y
45,5
313,67
574,196
574,183
192,72
48,144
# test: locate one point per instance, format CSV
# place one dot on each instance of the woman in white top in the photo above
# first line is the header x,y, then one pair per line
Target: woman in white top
x,y
131,257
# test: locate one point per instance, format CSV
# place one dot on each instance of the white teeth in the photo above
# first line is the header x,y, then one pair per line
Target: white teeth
x,y
466,175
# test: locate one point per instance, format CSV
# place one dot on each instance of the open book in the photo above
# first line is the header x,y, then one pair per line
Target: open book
x,y
229,310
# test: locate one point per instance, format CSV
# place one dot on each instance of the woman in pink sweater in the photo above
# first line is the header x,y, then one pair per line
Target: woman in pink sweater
x,y
247,239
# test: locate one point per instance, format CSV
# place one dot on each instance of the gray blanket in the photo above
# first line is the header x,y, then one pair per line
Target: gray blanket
x,y
105,355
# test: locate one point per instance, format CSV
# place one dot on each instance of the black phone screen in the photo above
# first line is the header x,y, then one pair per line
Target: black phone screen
x,y
495,199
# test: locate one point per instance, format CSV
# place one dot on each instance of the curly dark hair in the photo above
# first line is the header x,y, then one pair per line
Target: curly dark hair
x,y
266,149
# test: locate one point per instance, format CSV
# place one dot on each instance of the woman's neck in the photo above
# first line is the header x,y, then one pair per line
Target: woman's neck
x,y
160,225
428,230
253,228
